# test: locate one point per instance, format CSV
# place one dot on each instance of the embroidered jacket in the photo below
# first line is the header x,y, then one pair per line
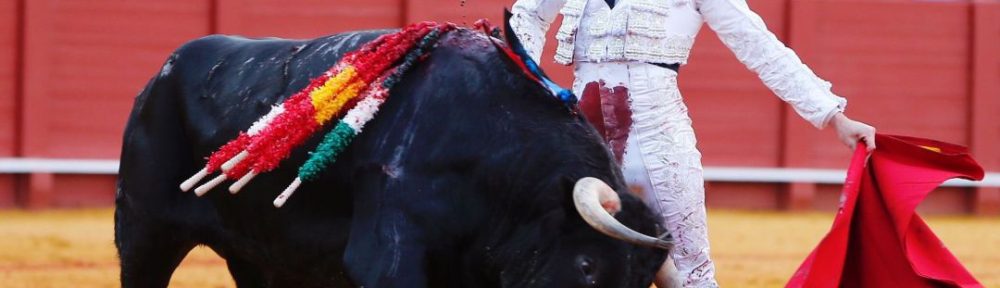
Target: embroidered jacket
x,y
663,31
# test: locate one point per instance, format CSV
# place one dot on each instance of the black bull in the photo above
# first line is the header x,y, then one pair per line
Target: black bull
x,y
464,179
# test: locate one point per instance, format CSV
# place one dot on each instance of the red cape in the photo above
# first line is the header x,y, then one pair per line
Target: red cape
x,y
877,240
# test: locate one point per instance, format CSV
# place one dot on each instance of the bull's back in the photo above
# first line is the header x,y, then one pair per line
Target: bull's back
x,y
229,81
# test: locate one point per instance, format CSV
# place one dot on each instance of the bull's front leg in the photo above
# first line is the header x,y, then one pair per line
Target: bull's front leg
x,y
385,251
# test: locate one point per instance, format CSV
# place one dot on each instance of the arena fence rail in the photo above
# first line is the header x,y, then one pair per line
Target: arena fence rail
x,y
712,174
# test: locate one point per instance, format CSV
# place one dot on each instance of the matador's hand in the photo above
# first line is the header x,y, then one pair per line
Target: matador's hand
x,y
850,131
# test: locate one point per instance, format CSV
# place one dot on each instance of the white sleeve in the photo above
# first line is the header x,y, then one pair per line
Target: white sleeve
x,y
744,32
530,21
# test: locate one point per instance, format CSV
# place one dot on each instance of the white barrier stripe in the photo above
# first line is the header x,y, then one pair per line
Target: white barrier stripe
x,y
772,175
58,166
712,174
808,175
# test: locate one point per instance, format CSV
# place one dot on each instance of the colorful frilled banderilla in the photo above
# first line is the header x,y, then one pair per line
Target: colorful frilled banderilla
x,y
362,78
337,139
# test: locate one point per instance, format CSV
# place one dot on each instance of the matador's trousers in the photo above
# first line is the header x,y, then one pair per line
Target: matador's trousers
x,y
638,109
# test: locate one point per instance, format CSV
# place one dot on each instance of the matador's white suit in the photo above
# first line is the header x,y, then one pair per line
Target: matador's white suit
x,y
623,57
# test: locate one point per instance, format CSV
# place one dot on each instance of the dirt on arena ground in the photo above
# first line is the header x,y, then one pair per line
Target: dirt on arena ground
x,y
74,248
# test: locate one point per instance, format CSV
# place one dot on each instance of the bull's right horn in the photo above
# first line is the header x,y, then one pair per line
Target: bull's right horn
x,y
588,195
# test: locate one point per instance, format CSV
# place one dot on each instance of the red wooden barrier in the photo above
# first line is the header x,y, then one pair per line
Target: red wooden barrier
x,y
9,33
916,68
304,18
456,12
904,67
985,104
736,118
84,62
729,102
906,72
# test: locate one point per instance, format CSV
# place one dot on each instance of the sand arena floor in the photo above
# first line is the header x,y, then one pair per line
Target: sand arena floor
x,y
73,248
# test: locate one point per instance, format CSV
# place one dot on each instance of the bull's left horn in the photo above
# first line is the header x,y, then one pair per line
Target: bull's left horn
x,y
588,195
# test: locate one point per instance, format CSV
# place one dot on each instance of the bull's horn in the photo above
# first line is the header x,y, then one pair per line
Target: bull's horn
x,y
588,195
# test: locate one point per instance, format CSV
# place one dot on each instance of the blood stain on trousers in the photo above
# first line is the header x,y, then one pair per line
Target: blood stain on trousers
x,y
608,110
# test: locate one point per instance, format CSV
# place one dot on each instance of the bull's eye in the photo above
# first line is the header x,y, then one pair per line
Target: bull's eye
x,y
586,268
585,265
